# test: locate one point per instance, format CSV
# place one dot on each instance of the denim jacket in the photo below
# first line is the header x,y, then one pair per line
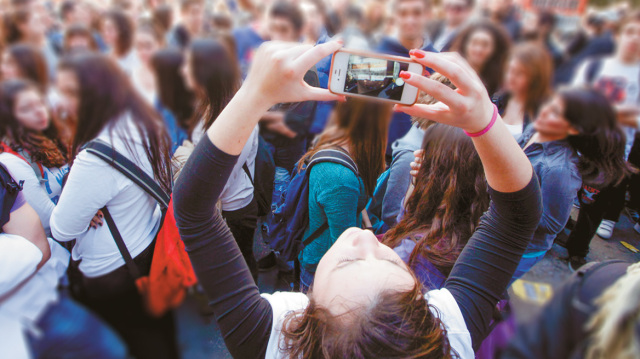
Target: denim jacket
x,y
555,163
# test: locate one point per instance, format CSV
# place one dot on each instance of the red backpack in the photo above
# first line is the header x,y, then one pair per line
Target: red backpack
x,y
171,273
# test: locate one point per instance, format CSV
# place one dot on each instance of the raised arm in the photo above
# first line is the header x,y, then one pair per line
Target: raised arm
x,y
487,263
244,318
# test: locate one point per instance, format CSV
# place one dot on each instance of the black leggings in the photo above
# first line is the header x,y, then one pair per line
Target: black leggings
x,y
243,223
115,298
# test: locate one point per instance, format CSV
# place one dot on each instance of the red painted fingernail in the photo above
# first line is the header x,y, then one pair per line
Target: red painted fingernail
x,y
405,75
417,53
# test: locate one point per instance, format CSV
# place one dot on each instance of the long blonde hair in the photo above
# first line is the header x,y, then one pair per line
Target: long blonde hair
x,y
613,326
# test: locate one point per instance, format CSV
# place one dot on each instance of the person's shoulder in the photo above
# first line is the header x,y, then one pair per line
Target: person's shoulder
x,y
284,302
333,173
444,306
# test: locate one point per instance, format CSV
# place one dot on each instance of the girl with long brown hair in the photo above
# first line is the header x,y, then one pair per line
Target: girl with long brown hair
x,y
527,85
107,108
364,302
33,149
444,207
336,194
486,47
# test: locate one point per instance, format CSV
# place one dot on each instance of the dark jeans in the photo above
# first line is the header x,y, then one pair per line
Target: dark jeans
x,y
115,297
592,212
242,223
69,330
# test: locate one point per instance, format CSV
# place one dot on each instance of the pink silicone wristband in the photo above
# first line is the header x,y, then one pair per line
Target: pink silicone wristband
x,y
486,129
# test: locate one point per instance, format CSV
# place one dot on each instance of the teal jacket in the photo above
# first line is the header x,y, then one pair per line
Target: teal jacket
x,y
336,197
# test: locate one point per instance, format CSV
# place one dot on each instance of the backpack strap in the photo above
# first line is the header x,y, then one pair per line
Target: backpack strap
x,y
24,155
333,155
246,170
122,247
107,153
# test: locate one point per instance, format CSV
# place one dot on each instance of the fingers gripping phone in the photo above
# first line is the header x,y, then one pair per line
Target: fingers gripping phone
x,y
374,76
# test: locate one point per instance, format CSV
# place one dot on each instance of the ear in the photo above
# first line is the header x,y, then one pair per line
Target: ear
x,y
573,131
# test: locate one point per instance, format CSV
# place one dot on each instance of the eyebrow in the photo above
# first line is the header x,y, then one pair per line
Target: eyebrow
x,y
344,265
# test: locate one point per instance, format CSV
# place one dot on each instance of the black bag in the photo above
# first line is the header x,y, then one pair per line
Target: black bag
x,y
9,190
265,173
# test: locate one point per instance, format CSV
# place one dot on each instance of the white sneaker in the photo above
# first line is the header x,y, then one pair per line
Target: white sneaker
x,y
605,231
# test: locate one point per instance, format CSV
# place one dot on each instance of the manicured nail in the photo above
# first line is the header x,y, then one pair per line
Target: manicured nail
x,y
405,75
417,53
340,41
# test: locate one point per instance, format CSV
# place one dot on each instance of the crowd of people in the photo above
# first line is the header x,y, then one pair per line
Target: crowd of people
x,y
400,228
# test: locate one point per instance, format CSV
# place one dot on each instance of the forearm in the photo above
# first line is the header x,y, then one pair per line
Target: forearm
x,y
506,166
239,118
243,316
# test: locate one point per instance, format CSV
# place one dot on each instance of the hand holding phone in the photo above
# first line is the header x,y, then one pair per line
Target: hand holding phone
x,y
374,76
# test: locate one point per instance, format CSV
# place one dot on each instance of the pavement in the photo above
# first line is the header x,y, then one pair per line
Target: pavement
x,y
200,338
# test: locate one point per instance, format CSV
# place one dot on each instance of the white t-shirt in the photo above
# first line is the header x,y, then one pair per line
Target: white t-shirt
x,y
91,185
446,308
41,196
238,192
21,310
619,83
515,130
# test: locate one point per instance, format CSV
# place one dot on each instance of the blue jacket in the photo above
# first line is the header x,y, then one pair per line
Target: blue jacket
x,y
400,122
555,163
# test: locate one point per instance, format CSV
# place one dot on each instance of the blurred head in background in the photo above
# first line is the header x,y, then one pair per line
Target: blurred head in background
x,y
456,12
529,75
117,32
285,21
628,39
147,40
410,18
78,38
192,15
23,61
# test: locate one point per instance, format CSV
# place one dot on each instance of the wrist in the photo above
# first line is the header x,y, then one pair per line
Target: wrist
x,y
251,95
486,124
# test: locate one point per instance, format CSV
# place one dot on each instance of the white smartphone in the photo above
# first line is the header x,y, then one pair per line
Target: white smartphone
x,y
373,76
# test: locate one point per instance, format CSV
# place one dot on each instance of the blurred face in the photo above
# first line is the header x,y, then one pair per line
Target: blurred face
x,y
551,121
499,7
36,27
629,41
9,67
479,48
78,43
517,78
31,111
355,269
81,15
312,19
145,45
193,18
109,33
69,90
410,18
456,12
281,29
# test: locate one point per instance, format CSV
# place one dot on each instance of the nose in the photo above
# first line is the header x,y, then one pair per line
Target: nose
x,y
365,242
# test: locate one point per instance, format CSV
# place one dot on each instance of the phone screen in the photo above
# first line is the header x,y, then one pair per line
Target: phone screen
x,y
374,77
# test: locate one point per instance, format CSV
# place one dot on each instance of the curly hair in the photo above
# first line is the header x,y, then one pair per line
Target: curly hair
x,y
396,324
46,147
449,198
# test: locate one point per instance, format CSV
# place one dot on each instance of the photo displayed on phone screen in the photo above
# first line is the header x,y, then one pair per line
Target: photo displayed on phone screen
x,y
375,77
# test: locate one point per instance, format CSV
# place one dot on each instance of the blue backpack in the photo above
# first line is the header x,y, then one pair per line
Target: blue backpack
x,y
291,215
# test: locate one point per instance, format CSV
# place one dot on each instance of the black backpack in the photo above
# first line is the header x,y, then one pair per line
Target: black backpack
x,y
9,190
265,172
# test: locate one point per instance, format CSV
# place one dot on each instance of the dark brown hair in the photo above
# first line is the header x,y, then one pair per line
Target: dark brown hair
x,y
46,147
125,31
79,30
449,198
362,126
217,84
106,94
172,91
163,17
493,70
397,324
634,16
600,140
539,66
32,64
12,23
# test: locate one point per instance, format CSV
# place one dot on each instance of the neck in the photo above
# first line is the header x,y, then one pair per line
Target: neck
x,y
627,59
542,137
411,43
